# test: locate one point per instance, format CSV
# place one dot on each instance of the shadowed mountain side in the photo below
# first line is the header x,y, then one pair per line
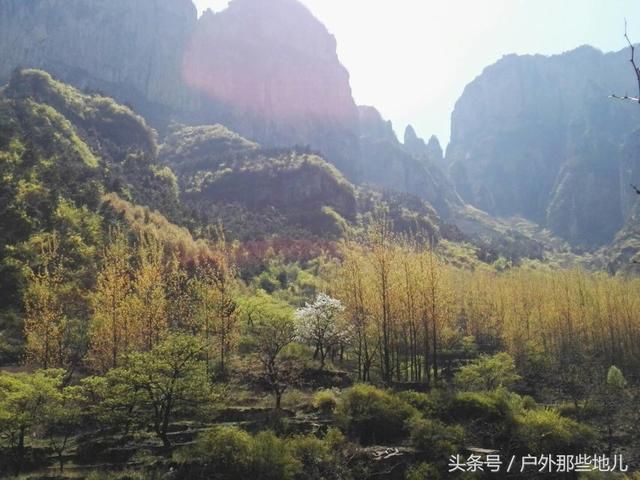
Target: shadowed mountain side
x,y
538,137
388,164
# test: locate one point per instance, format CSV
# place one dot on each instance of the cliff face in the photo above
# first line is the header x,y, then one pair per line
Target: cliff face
x,y
270,71
267,69
538,137
131,50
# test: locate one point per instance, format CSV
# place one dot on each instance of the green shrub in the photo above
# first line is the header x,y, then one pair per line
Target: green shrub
x,y
272,458
434,439
325,401
313,455
229,453
335,439
488,406
227,450
545,430
423,471
433,404
373,415
488,373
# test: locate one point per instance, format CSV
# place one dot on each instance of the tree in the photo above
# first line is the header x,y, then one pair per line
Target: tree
x,y
54,338
273,330
217,311
356,292
148,303
26,403
45,322
114,400
488,373
110,328
615,396
320,324
62,419
169,378
636,69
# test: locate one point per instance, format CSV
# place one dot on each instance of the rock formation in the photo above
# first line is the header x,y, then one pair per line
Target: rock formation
x,y
131,50
417,147
538,137
387,163
271,72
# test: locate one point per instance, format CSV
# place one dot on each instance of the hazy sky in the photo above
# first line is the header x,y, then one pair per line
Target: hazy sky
x,y
412,58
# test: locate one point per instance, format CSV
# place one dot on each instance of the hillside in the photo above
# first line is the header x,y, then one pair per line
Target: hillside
x,y
228,179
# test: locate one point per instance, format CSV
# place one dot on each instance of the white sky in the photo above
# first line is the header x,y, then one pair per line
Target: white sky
x,y
412,58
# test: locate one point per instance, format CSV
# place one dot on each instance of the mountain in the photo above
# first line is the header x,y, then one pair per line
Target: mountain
x,y
270,71
132,51
267,69
257,191
391,165
416,146
61,152
538,137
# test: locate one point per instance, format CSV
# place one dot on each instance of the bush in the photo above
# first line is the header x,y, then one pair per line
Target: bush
x,y
434,439
225,450
272,458
487,406
325,401
542,431
334,439
423,471
488,417
230,453
373,415
488,373
314,457
433,404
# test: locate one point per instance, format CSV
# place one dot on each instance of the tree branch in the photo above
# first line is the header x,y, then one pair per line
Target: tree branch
x,y
635,68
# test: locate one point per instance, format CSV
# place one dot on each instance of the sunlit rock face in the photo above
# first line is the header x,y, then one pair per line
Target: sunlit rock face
x,y
539,137
131,50
270,71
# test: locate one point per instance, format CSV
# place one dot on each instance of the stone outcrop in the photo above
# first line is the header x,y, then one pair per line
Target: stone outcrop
x,y
417,147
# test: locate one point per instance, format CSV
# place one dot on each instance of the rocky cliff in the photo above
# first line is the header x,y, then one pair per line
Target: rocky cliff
x,y
416,146
270,71
538,137
131,50
267,69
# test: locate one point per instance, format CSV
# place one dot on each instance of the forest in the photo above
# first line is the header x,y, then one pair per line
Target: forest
x,y
172,357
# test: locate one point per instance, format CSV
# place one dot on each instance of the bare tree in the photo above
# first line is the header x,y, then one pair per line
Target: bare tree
x,y
635,68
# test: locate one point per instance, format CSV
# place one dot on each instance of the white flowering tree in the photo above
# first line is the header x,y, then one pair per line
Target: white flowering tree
x,y
320,324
